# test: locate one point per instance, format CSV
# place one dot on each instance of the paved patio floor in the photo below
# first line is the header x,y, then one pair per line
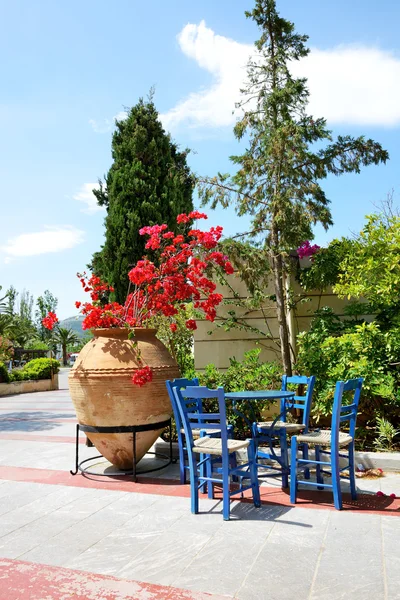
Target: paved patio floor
x,y
94,538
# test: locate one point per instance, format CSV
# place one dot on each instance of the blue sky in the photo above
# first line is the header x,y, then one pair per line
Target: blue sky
x,y
69,67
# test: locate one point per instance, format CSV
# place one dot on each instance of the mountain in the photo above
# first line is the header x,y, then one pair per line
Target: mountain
x,y
74,323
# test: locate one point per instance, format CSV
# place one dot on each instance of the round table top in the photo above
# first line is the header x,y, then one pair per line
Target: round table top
x,y
259,395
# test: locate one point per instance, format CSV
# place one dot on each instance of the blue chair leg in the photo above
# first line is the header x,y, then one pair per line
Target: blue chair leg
x,y
203,467
305,456
337,494
253,474
194,489
293,470
210,485
284,458
226,498
320,478
182,458
353,487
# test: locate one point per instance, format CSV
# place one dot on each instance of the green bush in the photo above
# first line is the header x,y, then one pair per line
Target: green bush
x,y
17,375
249,374
40,368
333,354
4,377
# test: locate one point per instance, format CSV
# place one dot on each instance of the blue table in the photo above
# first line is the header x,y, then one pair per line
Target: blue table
x,y
260,395
250,396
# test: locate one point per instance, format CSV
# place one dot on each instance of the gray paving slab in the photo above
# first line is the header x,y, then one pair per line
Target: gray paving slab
x,y
391,553
221,565
351,563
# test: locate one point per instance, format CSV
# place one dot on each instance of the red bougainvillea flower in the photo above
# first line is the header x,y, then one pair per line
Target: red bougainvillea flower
x,y
142,376
191,324
307,250
50,320
178,269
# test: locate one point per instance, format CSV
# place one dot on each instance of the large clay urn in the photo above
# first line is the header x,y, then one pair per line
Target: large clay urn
x,y
104,395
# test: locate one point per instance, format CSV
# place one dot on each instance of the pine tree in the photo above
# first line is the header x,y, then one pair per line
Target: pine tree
x,y
278,176
148,183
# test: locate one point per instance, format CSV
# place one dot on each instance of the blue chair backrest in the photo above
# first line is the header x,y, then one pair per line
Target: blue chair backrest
x,y
190,405
303,403
346,412
178,383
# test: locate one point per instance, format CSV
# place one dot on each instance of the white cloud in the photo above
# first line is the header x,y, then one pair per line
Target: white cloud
x,y
348,84
107,124
101,127
52,239
86,196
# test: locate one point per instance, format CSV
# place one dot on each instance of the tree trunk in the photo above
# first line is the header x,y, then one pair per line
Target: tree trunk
x,y
277,269
64,351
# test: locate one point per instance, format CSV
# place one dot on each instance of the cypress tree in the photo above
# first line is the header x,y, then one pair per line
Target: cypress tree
x,y
149,182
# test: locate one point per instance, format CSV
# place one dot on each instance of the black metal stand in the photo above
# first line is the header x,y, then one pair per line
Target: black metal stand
x,y
134,429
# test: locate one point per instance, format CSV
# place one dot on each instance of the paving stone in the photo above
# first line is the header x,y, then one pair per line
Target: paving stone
x,y
391,537
351,564
165,558
222,564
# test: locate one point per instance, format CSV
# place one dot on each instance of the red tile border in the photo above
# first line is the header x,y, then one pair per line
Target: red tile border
x,y
29,581
270,496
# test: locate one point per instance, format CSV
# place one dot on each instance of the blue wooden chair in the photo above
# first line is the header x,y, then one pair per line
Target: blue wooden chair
x,y
273,432
182,384
335,440
212,449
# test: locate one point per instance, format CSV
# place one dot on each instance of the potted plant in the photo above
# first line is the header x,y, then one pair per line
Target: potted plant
x,y
119,377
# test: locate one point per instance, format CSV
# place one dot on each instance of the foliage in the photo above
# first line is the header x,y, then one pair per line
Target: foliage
x,y
179,272
331,353
180,342
4,378
38,368
37,345
325,267
77,347
148,182
41,368
372,269
6,349
45,304
64,337
288,153
248,374
386,434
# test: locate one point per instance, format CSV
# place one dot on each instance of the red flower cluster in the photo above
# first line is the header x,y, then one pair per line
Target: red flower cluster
x,y
50,320
180,273
195,214
142,376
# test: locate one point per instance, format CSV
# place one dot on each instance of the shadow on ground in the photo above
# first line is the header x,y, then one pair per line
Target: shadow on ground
x,y
31,421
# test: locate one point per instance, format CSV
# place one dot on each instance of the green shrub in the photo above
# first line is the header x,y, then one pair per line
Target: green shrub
x,y
249,374
4,377
17,375
364,351
40,368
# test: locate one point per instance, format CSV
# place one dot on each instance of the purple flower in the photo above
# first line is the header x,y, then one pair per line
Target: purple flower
x,y
307,250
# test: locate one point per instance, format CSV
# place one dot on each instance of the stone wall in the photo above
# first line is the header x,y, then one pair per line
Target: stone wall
x,y
221,345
